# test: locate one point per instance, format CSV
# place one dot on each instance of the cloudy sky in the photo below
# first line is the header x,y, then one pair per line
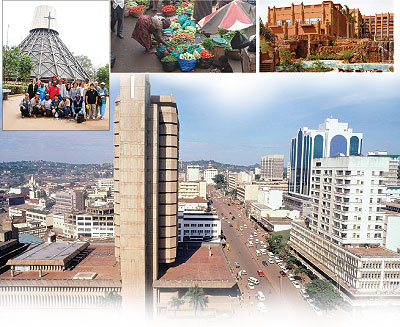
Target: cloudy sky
x,y
83,25
237,119
367,7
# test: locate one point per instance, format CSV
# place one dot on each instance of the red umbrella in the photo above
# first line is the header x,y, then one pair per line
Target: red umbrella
x,y
234,16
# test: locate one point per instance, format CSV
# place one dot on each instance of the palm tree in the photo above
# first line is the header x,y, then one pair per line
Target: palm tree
x,y
349,18
196,297
176,302
301,271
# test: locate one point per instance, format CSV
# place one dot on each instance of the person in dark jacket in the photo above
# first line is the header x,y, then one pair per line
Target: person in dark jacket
x,y
224,65
32,89
25,106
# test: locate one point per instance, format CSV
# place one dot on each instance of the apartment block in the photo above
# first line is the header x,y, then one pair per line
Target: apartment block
x,y
146,143
367,276
190,190
69,201
272,167
347,196
96,222
379,27
390,177
247,192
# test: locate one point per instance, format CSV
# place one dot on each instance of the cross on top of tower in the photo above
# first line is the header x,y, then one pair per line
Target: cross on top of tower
x,y
49,18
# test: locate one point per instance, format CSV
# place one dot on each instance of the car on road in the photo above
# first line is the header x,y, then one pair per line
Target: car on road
x,y
244,226
271,261
241,228
239,215
265,263
263,246
260,296
261,307
253,280
250,236
237,264
285,270
258,253
290,275
251,285
278,261
304,293
263,251
296,284
291,279
251,243
260,273
257,241
283,274
255,234
243,272
270,254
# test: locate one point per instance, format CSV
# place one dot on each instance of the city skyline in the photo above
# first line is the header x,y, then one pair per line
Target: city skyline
x,y
236,128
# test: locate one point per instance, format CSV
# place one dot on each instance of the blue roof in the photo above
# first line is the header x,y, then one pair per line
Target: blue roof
x,y
26,238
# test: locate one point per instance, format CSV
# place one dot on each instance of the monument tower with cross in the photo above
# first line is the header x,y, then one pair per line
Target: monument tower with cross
x,y
47,51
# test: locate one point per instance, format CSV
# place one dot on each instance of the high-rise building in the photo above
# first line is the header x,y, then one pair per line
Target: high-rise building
x,y
146,145
347,196
390,177
272,167
190,190
192,173
331,139
379,27
209,175
69,201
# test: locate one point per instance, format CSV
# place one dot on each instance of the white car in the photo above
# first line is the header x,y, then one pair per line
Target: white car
x,y
251,285
253,280
251,236
243,272
304,293
285,270
278,261
290,275
263,251
258,253
257,241
270,254
271,261
244,226
255,233
292,279
261,242
261,307
296,284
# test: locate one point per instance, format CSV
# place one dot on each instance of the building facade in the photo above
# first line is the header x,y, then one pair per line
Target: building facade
x,y
198,227
331,139
190,190
379,27
347,196
192,173
69,201
272,167
209,175
97,222
146,143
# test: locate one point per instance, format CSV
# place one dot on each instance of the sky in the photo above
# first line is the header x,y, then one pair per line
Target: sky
x,y
74,25
239,118
367,7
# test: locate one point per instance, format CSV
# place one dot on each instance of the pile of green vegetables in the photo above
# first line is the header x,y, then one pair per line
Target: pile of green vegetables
x,y
169,59
228,36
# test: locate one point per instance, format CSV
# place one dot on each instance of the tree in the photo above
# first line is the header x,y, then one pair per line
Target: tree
x,y
347,55
176,302
349,19
196,297
219,181
102,75
25,68
10,63
275,243
257,177
87,65
266,33
301,271
234,193
324,294
290,261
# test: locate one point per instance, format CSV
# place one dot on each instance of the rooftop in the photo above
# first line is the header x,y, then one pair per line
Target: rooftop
x,y
100,259
195,267
197,199
57,253
373,252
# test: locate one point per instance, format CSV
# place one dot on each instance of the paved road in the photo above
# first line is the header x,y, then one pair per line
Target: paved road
x,y
279,292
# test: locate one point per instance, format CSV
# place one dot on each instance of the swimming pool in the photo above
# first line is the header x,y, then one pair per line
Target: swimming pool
x,y
340,64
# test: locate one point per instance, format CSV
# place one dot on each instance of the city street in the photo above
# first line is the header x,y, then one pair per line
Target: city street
x,y
279,292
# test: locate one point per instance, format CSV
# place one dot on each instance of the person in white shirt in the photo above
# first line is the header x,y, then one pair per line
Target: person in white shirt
x,y
118,8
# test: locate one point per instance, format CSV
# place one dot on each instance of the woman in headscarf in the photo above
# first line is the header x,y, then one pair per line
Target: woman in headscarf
x,y
146,27
202,8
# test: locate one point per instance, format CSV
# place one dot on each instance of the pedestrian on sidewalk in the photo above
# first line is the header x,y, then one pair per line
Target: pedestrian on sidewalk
x,y
117,15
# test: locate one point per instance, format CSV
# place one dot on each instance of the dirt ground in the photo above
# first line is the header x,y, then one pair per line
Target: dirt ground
x,y
12,120
131,59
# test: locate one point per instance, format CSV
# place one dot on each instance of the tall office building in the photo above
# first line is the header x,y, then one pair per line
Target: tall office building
x,y
192,173
272,167
348,200
390,179
146,136
331,139
69,201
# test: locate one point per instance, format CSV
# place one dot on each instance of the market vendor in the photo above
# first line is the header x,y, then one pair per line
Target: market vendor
x,y
147,26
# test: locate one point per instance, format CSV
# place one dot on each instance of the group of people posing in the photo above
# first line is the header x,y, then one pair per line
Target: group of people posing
x,y
62,99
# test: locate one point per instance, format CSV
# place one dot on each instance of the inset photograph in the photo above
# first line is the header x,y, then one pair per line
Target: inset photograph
x,y
323,36
201,36
55,65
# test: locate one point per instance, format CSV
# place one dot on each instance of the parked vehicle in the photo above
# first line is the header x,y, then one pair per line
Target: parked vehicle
x,y
258,253
296,284
251,236
253,280
270,254
243,272
251,285
271,261
304,293
251,244
255,234
264,263
283,274
260,273
257,241
244,226
237,264
260,296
